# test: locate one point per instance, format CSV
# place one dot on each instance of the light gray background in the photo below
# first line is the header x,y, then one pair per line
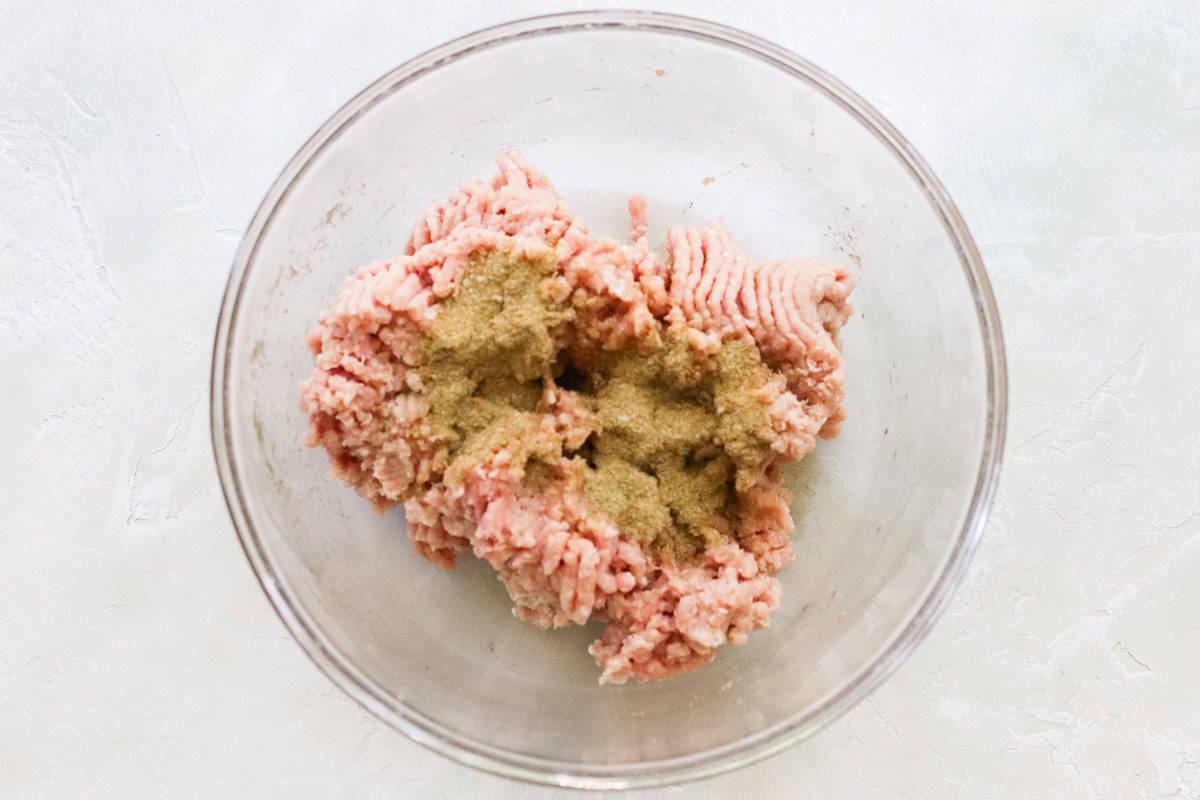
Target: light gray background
x,y
138,658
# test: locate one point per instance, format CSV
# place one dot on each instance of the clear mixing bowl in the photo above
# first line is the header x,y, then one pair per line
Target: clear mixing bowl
x,y
705,122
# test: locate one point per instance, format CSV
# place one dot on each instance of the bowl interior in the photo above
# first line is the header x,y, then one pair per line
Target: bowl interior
x,y
703,130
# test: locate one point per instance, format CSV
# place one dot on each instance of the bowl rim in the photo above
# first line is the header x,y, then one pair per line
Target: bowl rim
x,y
509,763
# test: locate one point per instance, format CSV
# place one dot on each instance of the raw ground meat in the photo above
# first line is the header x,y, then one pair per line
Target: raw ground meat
x,y
561,560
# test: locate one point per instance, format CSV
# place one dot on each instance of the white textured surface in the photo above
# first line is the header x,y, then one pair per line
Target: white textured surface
x,y
138,658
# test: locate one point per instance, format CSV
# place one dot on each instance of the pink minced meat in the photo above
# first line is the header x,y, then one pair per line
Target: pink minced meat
x,y
562,562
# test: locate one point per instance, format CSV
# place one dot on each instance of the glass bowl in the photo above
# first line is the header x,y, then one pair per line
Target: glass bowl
x,y
705,122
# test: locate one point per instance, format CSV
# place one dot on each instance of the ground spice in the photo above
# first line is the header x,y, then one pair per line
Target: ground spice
x,y
678,435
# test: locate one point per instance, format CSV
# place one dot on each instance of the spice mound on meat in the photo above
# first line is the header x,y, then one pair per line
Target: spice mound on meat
x,y
605,428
